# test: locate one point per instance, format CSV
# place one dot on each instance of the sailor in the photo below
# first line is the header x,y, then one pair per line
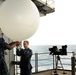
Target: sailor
x,y
3,47
26,54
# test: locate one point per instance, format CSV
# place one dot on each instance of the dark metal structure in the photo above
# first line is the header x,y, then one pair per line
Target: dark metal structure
x,y
44,8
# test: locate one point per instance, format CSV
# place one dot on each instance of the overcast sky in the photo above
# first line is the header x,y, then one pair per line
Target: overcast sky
x,y
57,28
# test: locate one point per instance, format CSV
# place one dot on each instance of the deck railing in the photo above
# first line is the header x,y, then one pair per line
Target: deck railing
x,y
44,61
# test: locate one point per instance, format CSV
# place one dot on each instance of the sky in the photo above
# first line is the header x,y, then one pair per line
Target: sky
x,y
58,28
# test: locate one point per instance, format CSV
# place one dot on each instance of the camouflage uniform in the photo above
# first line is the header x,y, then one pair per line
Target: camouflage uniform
x,y
3,65
25,65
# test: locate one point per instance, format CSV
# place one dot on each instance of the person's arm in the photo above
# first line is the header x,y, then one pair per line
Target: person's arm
x,y
13,44
30,55
18,51
5,45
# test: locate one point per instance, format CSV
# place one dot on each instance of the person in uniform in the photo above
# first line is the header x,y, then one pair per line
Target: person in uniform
x,y
26,54
3,47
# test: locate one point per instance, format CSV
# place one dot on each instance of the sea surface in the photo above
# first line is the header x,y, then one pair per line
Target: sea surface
x,y
45,48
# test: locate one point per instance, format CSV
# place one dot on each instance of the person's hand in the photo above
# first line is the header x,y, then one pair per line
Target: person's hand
x,y
18,43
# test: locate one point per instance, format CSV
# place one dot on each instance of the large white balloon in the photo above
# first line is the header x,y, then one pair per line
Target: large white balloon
x,y
19,19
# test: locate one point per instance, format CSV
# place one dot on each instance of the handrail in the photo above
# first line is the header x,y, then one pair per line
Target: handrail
x,y
51,61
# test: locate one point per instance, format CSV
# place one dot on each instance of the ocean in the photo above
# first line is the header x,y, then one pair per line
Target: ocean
x,y
45,48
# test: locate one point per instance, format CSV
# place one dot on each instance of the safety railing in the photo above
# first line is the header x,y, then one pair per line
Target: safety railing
x,y
44,61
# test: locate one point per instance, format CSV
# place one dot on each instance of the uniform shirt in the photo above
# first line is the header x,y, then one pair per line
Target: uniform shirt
x,y
3,66
26,55
3,47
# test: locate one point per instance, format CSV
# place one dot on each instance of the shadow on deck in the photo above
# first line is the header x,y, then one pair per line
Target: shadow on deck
x,y
51,72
